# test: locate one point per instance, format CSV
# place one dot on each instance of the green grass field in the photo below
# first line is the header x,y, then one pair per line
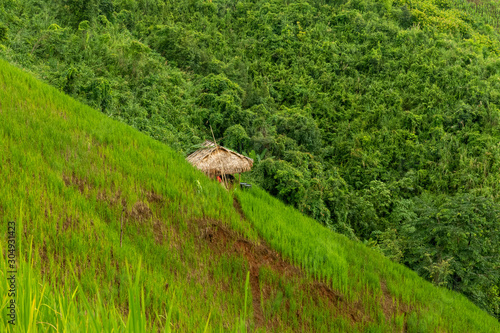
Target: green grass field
x,y
193,258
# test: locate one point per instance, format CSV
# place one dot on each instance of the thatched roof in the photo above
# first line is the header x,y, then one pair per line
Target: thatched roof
x,y
215,160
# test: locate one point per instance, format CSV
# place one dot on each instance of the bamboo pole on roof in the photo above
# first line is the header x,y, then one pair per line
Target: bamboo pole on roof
x,y
223,172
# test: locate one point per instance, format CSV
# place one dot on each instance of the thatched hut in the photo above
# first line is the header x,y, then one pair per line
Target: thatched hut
x,y
215,160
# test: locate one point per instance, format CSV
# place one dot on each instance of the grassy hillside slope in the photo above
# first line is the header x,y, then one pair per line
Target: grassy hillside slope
x,y
70,176
378,118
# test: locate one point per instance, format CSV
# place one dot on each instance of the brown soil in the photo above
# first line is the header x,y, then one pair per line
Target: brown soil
x,y
153,197
111,199
160,231
389,307
139,212
70,222
239,209
222,240
75,181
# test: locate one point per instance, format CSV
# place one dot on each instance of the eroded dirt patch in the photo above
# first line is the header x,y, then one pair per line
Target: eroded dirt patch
x,y
78,182
390,306
164,233
222,240
139,212
70,222
239,209
111,199
154,197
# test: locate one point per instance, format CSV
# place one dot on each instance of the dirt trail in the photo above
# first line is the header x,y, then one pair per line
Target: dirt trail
x,y
222,240
245,248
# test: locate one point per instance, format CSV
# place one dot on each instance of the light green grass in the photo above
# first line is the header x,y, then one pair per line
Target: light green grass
x,y
67,172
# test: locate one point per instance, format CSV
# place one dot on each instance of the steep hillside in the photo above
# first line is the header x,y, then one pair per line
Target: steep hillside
x,y
193,257
379,119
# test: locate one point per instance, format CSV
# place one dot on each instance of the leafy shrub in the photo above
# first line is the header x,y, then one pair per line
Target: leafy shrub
x,y
3,33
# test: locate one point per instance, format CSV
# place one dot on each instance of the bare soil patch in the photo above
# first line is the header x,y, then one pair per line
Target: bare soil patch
x,y
389,306
77,182
154,197
139,212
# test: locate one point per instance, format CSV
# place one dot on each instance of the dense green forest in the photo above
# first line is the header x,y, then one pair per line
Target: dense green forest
x,y
379,119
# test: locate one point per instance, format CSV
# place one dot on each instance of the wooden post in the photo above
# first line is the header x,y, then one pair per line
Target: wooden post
x,y
223,172
121,226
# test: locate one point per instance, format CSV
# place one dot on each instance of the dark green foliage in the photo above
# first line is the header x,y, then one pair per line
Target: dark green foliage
x,y
3,33
352,110
220,102
303,129
236,138
76,11
464,230
405,19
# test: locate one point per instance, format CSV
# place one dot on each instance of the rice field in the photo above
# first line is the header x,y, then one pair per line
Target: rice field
x,y
118,233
